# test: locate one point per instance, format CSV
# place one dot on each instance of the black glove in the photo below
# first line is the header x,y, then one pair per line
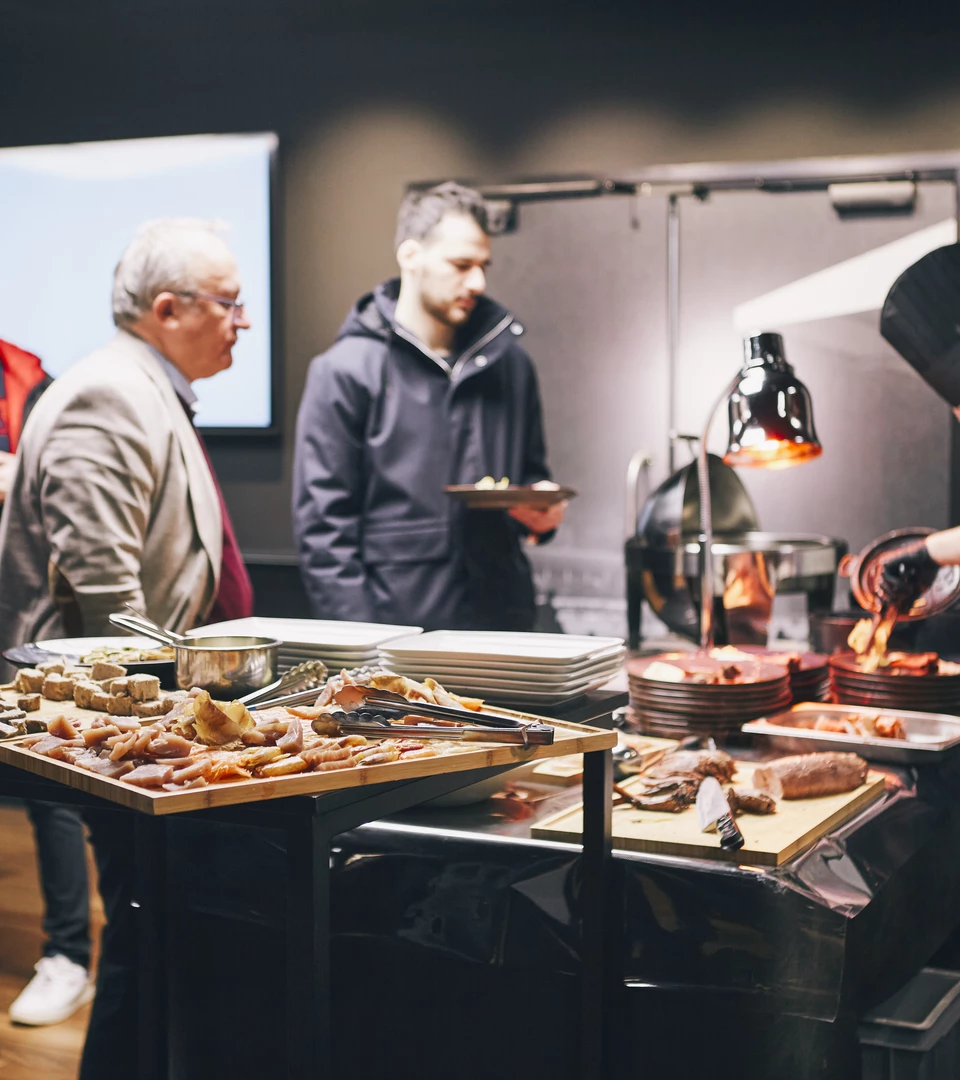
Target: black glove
x,y
905,575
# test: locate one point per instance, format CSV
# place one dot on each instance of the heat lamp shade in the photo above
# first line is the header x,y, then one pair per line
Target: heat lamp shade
x,y
770,410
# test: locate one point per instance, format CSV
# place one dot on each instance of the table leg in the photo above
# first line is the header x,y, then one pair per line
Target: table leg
x,y
307,999
149,896
595,903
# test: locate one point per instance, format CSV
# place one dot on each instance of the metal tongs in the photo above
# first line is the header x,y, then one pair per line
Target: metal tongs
x,y
370,711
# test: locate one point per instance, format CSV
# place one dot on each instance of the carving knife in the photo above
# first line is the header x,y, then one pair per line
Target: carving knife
x,y
713,812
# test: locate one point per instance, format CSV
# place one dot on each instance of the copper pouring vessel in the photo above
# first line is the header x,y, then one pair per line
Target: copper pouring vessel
x,y
864,569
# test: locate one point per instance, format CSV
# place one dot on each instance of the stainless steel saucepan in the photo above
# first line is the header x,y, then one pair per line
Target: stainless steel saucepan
x,y
226,666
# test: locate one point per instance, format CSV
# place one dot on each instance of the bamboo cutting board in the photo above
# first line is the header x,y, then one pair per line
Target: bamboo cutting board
x,y
769,840
50,709
569,739
568,771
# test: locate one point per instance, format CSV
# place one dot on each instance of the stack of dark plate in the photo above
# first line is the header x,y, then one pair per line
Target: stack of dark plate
x,y
675,709
811,682
892,688
809,672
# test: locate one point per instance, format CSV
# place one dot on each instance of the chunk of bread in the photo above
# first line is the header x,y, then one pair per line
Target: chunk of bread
x,y
149,709
28,702
29,681
52,667
57,687
102,670
118,687
83,692
120,706
143,687
99,700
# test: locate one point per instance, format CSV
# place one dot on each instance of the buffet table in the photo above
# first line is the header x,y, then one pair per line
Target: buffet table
x,y
360,932
300,829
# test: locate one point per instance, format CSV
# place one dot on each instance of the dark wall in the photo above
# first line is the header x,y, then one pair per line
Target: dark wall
x,y
368,96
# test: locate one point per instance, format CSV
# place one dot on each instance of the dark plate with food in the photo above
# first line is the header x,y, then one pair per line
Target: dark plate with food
x,y
684,671
896,665
139,656
508,496
796,662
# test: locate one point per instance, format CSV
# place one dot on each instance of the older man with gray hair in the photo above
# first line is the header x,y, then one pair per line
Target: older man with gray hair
x,y
114,501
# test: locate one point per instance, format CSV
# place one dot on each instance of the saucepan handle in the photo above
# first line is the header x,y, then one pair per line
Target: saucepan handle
x,y
134,626
848,565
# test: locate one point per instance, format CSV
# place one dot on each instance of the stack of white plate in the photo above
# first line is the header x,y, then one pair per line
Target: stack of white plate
x,y
523,669
337,644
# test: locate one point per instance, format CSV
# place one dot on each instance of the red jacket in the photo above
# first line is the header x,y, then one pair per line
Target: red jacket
x,y
23,381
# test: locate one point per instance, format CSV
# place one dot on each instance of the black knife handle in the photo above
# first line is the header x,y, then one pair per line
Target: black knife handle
x,y
731,838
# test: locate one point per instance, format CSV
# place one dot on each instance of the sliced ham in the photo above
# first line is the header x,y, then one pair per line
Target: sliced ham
x,y
167,745
62,728
103,766
292,741
53,746
199,768
320,755
149,776
94,736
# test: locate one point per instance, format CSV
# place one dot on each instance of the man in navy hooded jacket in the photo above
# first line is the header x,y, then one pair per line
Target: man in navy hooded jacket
x,y
426,385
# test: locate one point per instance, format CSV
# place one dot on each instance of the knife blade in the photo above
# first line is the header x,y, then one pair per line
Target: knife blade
x,y
713,812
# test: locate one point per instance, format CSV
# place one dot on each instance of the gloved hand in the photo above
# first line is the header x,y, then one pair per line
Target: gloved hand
x,y
905,574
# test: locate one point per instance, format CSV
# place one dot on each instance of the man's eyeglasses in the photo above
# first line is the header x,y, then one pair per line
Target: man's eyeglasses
x,y
237,308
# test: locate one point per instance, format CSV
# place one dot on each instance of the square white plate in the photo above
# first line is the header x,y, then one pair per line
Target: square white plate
x,y
532,682
535,650
311,633
322,650
497,670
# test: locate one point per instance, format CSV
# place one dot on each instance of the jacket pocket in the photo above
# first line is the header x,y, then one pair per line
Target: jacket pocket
x,y
398,542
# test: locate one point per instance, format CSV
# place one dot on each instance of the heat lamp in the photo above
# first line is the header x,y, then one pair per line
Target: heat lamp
x,y
771,427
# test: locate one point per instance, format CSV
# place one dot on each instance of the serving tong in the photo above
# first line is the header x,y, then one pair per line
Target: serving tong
x,y
370,711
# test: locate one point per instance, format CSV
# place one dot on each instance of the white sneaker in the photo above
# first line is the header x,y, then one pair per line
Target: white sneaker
x,y
58,989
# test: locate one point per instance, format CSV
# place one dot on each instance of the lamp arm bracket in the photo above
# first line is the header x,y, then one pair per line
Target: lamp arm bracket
x,y
706,521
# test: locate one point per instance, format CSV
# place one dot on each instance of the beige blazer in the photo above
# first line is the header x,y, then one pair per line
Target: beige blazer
x,y
112,501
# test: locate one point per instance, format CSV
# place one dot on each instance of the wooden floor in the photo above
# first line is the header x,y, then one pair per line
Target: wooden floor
x,y
46,1053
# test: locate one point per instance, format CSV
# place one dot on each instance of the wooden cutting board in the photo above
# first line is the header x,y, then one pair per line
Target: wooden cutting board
x,y
568,771
49,709
770,839
569,739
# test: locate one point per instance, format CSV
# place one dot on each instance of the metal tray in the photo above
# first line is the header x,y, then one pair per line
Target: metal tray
x,y
930,736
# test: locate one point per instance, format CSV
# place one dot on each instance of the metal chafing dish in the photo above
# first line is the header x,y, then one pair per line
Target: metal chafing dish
x,y
930,736
663,560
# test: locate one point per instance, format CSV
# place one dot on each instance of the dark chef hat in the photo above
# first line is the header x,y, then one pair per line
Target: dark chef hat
x,y
921,319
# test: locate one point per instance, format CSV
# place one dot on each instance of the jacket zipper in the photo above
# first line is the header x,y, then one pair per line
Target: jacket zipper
x,y
472,351
419,345
478,345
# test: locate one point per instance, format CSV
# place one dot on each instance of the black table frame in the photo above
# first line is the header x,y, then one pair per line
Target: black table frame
x,y
310,824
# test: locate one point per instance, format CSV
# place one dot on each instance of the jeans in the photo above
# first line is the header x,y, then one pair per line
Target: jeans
x,y
110,1051
61,856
